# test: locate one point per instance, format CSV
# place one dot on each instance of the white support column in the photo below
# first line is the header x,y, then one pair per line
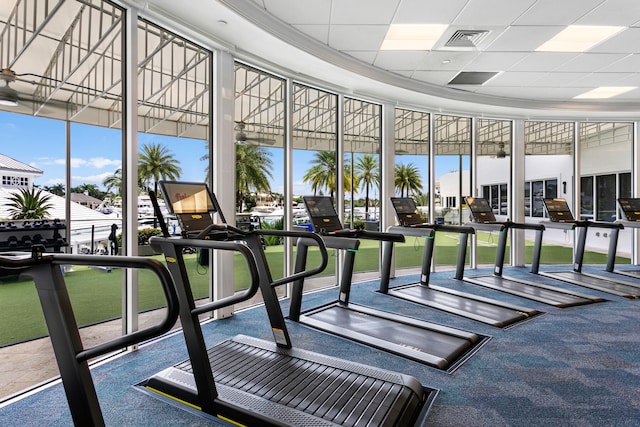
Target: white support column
x,y
340,179
288,179
576,181
130,168
222,158
473,176
516,204
635,190
387,170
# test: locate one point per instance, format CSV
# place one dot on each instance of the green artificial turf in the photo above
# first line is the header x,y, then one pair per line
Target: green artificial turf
x,y
96,295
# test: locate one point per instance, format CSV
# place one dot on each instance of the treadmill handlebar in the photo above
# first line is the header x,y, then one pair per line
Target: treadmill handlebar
x,y
453,228
37,256
301,235
524,225
605,224
181,242
487,226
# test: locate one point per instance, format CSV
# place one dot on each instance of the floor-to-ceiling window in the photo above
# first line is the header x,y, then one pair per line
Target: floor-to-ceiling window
x,y
315,134
605,176
493,172
411,175
452,141
259,123
549,174
362,138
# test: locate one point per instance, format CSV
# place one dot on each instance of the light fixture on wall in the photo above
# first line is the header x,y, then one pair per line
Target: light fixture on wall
x,y
8,95
501,154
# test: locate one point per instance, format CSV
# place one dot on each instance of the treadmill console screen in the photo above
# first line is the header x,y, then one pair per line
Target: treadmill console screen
x,y
187,197
480,209
558,210
404,205
320,206
630,208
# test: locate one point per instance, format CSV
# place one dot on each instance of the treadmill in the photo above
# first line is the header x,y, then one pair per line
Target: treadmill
x,y
486,310
250,381
484,219
560,216
435,345
630,208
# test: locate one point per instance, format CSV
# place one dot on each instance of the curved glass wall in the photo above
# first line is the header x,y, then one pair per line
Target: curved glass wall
x,y
174,115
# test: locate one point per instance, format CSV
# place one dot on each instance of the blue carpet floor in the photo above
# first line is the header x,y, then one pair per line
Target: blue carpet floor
x,y
577,366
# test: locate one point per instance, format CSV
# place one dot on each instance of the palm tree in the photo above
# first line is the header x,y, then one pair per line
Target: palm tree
x,y
368,174
253,171
407,177
56,189
322,175
29,204
114,181
156,163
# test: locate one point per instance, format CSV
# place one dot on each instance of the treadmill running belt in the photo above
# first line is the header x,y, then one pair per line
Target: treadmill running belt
x,y
623,289
536,292
467,305
436,345
297,387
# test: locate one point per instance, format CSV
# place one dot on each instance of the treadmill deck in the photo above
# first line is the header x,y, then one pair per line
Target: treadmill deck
x,y
435,345
620,288
533,291
297,387
475,307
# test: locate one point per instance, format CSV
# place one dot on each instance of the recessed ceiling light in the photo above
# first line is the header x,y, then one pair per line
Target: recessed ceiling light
x,y
604,92
412,36
578,38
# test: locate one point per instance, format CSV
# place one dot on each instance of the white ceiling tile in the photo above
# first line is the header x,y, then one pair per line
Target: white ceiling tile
x,y
399,60
494,61
554,12
539,93
522,38
451,61
357,37
318,32
589,62
514,79
624,42
367,56
629,64
300,11
427,11
435,77
602,79
363,11
492,12
613,12
543,61
557,79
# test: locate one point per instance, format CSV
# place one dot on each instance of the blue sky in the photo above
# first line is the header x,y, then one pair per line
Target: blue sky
x,y
96,153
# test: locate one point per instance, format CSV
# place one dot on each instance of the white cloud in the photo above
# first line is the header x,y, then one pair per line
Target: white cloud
x,y
92,179
101,162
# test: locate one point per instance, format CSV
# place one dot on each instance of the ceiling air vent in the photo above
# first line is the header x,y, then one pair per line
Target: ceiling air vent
x,y
466,39
472,77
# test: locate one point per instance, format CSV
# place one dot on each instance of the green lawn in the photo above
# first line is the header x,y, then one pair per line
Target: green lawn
x,y
96,294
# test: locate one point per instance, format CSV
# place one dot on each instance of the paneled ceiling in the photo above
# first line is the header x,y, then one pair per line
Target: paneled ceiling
x,y
338,41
